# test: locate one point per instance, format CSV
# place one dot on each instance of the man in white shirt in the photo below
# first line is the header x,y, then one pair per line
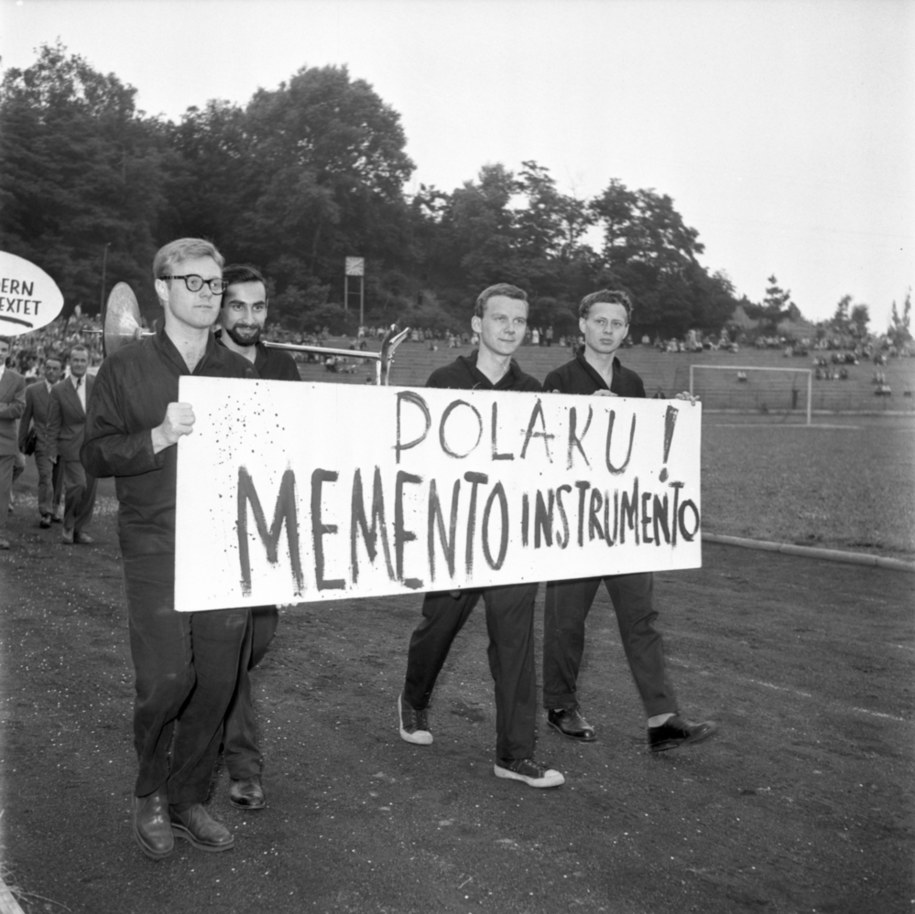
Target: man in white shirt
x,y
66,426
35,420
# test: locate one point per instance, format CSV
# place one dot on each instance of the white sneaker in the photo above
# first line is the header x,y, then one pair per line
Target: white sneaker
x,y
414,725
530,772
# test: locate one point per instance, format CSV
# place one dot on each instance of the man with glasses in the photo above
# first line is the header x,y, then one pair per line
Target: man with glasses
x,y
242,318
186,664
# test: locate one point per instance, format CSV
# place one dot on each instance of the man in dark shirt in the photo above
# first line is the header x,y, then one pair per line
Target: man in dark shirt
x,y
242,318
603,318
500,321
186,664
241,322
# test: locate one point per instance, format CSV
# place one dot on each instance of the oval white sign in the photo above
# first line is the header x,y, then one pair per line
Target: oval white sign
x,y
29,298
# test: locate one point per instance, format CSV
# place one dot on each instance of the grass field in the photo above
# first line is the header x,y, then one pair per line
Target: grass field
x,y
847,482
666,373
840,484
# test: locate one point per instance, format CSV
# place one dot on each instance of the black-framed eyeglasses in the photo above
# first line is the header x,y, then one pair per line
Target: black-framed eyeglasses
x,y
195,283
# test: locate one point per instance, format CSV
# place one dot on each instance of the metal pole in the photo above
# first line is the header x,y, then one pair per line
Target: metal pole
x,y
101,307
809,395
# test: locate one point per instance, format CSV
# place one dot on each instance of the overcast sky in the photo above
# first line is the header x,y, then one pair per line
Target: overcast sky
x,y
783,131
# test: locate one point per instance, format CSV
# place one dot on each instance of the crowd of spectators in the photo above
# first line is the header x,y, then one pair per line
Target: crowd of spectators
x,y
830,353
29,350
436,339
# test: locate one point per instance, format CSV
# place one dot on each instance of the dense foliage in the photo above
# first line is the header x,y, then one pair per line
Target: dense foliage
x,y
302,177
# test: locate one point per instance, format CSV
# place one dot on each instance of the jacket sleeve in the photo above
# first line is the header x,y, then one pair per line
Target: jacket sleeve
x,y
14,407
290,370
25,420
110,448
552,383
53,427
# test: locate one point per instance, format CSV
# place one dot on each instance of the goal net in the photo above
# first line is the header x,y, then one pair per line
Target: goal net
x,y
780,392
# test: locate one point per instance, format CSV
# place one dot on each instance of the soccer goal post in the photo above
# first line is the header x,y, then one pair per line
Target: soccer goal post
x,y
751,387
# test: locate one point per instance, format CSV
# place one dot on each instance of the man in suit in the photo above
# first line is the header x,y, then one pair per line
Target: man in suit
x,y
12,405
242,318
35,417
66,426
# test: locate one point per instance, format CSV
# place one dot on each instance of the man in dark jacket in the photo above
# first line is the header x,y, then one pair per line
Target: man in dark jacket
x,y
500,321
186,664
12,406
65,430
35,420
241,322
603,318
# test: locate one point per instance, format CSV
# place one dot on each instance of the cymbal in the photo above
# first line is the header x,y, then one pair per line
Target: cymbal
x,y
122,319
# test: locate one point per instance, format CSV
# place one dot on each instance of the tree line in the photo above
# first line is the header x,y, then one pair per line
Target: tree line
x,y
305,175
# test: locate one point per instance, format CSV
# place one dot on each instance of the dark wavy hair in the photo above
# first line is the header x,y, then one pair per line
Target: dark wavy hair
x,y
613,296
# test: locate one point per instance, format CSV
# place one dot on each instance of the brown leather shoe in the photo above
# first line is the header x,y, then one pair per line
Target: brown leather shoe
x,y
152,826
247,793
196,825
82,538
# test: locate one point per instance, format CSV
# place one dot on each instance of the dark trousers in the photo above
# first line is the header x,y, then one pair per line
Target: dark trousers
x,y
7,464
186,667
242,755
50,483
510,624
565,611
79,495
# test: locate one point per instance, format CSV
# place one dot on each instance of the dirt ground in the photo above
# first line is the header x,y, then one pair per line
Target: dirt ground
x,y
803,803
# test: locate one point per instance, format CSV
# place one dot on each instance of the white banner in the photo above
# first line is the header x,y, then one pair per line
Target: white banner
x,y
293,492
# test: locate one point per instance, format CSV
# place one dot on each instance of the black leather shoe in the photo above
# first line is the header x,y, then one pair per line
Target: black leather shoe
x,y
247,793
196,825
679,732
571,724
152,826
